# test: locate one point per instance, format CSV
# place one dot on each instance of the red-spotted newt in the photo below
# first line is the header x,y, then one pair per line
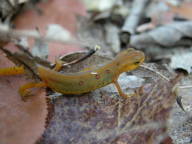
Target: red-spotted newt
x,y
84,81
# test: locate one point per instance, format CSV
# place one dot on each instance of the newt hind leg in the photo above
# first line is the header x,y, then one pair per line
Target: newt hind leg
x,y
25,92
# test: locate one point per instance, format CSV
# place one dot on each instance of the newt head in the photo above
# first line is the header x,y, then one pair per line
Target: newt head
x,y
129,59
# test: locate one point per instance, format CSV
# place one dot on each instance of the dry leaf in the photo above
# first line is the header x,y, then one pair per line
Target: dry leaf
x,y
99,118
20,122
103,117
167,35
158,12
182,60
181,124
184,10
61,12
24,122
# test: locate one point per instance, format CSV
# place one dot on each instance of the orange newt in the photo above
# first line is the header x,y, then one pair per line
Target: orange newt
x,y
84,81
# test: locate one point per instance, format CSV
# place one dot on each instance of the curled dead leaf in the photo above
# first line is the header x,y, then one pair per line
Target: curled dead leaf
x,y
20,122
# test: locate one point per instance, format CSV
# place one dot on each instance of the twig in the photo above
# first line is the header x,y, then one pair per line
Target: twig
x,y
136,14
18,61
178,99
158,73
10,4
185,87
90,53
9,33
132,21
174,89
25,50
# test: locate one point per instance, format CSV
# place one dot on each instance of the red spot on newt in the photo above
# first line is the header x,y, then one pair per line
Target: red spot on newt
x,y
81,83
97,76
107,71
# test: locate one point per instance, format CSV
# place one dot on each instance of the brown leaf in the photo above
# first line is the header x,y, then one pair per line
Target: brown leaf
x,y
99,118
20,122
24,122
103,117
62,12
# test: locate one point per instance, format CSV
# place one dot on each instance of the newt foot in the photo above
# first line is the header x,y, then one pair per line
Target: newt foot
x,y
26,94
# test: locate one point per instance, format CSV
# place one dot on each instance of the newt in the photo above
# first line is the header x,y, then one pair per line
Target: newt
x,y
83,81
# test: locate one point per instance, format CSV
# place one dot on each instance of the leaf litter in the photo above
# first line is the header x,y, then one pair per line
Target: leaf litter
x,y
102,116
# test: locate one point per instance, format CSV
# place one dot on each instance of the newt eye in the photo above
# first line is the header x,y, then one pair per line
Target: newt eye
x,y
136,63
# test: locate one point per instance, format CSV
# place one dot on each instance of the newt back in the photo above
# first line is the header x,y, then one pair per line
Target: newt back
x,y
75,83
82,82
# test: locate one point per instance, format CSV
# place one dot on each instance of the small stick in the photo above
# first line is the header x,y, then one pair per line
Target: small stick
x,y
90,53
158,73
178,99
9,33
23,49
136,14
132,20
175,88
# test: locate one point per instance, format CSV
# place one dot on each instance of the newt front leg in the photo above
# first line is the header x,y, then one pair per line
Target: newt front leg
x,y
120,91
